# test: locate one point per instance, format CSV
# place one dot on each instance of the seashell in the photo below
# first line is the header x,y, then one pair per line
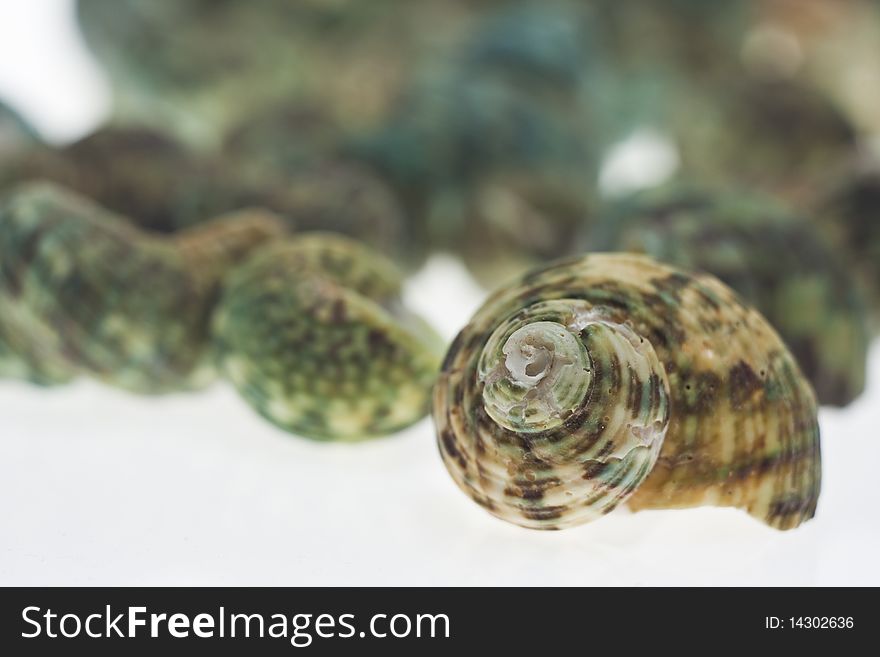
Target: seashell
x,y
774,259
164,186
848,213
516,221
777,136
203,67
313,334
310,329
82,291
612,379
289,137
508,100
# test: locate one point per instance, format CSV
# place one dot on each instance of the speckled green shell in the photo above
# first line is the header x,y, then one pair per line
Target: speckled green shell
x,y
619,379
83,291
310,329
774,259
313,334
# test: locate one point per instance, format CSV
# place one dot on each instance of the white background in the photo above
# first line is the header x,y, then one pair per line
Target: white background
x,y
100,487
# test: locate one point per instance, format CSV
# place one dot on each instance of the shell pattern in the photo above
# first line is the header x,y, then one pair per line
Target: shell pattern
x,y
613,378
774,259
317,318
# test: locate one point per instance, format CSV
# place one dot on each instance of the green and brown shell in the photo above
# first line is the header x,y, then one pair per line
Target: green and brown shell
x,y
773,258
612,379
85,292
311,329
313,334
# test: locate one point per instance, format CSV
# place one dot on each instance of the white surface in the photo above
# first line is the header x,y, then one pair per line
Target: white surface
x,y
100,487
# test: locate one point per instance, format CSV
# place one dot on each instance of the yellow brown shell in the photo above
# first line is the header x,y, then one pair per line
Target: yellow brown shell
x,y
613,378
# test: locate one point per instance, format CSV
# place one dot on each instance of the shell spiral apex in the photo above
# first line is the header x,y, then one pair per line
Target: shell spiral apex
x,y
612,379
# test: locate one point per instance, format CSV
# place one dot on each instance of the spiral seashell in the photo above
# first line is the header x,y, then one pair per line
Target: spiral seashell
x,y
313,334
612,379
777,261
82,291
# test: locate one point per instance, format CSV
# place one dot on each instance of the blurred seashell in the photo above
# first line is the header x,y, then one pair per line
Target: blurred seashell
x,y
84,291
776,136
164,186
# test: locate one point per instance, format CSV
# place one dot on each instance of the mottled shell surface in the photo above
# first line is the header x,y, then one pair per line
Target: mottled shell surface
x,y
313,334
777,261
83,291
613,378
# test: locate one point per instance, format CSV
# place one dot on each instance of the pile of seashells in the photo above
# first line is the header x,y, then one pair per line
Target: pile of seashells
x,y
274,170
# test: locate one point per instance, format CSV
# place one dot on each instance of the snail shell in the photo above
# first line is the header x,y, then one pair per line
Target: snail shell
x,y
83,291
776,260
613,378
313,334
